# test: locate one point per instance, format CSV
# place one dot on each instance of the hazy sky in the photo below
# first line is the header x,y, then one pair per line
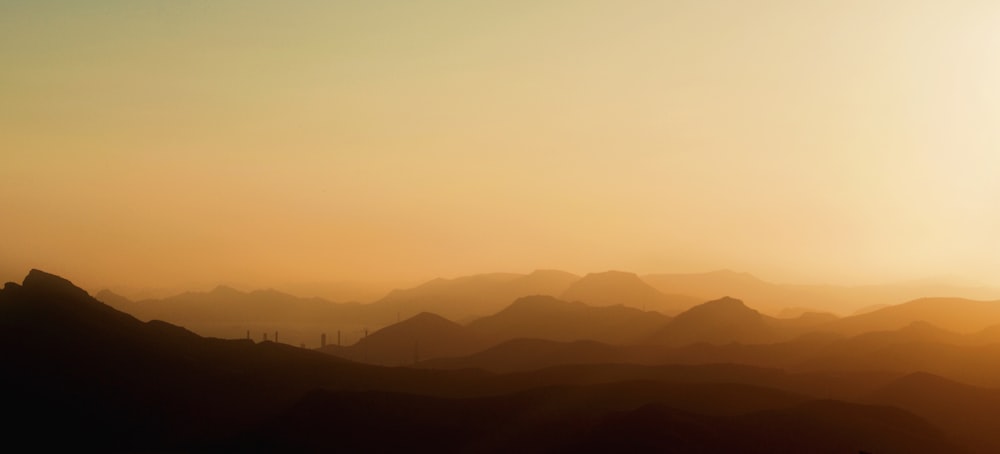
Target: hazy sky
x,y
180,142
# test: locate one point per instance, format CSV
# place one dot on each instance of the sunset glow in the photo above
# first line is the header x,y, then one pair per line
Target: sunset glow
x,y
263,143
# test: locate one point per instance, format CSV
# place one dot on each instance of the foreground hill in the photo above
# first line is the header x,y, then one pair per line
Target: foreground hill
x,y
620,288
101,377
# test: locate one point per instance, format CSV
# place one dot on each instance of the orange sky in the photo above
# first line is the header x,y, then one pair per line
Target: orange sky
x,y
261,143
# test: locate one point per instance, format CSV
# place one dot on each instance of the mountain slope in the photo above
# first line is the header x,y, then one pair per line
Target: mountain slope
x,y
105,378
474,296
228,313
545,317
952,314
619,417
771,298
969,413
422,336
616,287
814,427
534,354
717,322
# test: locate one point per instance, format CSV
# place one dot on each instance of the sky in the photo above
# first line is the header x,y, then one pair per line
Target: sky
x,y
183,143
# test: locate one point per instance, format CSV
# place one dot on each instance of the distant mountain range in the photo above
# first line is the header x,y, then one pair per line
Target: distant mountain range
x,y
84,376
616,320
627,289
228,313
537,332
225,312
774,298
425,335
466,298
955,314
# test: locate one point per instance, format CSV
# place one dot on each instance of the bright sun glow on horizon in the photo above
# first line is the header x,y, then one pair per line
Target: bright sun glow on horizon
x,y
171,143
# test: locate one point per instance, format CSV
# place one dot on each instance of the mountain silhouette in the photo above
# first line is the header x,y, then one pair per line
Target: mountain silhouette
x,y
872,308
617,287
814,318
104,378
423,336
988,335
916,332
711,285
225,312
721,321
545,317
43,296
952,314
115,300
918,348
772,298
469,297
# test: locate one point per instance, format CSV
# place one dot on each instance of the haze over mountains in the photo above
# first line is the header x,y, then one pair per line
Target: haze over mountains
x,y
228,313
606,328
773,298
475,296
545,317
617,287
